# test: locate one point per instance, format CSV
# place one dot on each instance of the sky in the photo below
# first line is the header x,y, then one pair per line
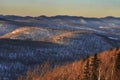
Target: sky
x,y
87,8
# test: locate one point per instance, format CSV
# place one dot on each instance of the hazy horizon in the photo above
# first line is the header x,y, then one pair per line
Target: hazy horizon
x,y
57,15
86,8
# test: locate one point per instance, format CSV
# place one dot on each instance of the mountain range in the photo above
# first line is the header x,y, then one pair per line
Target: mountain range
x,y
26,42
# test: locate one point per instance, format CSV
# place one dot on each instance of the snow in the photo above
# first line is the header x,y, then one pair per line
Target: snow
x,y
16,58
113,38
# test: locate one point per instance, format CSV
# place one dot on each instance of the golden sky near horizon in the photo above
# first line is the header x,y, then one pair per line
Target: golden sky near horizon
x,y
88,8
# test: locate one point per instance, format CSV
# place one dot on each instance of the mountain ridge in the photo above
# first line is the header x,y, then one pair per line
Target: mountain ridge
x,y
61,39
57,16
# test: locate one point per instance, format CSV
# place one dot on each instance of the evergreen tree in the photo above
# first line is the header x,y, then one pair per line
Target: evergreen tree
x,y
117,63
94,68
86,73
116,68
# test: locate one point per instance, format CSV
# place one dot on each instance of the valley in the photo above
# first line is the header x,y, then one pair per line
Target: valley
x,y
26,42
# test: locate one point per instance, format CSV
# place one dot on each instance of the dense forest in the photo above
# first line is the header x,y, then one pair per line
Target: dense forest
x,y
103,66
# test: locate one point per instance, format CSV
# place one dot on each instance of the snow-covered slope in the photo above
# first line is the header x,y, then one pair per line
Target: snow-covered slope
x,y
26,33
33,33
6,27
28,41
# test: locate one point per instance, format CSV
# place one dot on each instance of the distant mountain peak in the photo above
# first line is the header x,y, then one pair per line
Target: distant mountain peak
x,y
111,17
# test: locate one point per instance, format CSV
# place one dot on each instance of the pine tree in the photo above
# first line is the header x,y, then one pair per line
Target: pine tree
x,y
94,68
116,67
86,73
117,62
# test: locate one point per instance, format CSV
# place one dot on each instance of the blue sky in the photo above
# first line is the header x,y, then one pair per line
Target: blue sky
x,y
90,8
